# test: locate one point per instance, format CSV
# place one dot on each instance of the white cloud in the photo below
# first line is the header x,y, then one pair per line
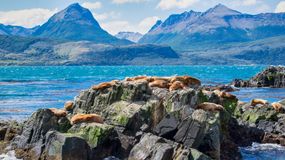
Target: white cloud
x,y
92,5
280,7
106,15
170,4
147,23
127,1
26,17
249,2
114,27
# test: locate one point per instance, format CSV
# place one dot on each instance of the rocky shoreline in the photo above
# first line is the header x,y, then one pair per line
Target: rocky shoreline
x,y
157,118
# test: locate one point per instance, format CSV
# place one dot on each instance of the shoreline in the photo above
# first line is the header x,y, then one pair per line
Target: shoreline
x,y
142,112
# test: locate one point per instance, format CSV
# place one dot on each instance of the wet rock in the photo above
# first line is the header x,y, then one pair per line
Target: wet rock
x,y
274,138
273,76
192,130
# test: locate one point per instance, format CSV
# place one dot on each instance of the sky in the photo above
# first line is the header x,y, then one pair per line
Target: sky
x,y
124,15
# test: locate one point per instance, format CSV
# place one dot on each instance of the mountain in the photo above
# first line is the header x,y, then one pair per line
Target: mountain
x,y
15,50
218,25
16,30
76,23
131,36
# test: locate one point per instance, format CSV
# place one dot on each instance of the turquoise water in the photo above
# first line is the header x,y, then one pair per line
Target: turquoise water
x,y
25,89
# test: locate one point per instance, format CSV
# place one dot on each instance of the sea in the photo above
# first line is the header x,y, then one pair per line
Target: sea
x,y
23,90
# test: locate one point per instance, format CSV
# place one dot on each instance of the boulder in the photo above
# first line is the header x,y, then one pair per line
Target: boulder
x,y
156,148
36,127
167,127
65,146
273,76
192,130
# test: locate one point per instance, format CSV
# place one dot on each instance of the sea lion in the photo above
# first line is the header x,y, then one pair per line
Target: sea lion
x,y
227,95
68,106
277,106
187,80
159,84
176,85
137,78
89,118
255,102
58,112
160,78
212,107
105,85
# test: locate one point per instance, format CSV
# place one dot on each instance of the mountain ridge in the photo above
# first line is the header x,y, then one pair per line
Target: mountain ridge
x,y
219,24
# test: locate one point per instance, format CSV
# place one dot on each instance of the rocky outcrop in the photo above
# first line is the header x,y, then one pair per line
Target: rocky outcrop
x,y
263,122
273,76
134,119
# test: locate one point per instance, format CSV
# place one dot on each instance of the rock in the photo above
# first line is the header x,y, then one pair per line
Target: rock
x,y
152,147
36,127
254,115
273,76
94,133
274,138
167,127
157,148
192,130
65,146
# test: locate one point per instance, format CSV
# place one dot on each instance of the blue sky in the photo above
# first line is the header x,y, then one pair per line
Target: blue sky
x,y
124,15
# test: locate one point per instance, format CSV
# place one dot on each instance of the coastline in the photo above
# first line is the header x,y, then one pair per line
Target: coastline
x,y
141,98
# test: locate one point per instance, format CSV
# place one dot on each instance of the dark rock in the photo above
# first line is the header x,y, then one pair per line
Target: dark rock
x,y
273,76
192,130
36,128
64,146
167,127
157,148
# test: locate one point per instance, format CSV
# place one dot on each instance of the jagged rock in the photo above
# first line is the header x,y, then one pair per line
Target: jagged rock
x,y
273,76
35,129
167,127
192,130
94,133
256,114
65,146
157,148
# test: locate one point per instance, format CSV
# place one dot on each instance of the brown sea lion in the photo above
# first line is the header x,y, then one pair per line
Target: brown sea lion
x,y
159,84
105,85
227,95
89,118
68,106
210,107
255,102
277,106
58,112
176,85
192,81
160,78
137,78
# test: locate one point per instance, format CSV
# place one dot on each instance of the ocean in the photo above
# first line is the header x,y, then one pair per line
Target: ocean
x,y
25,89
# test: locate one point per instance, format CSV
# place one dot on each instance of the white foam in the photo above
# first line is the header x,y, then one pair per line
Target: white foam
x,y
9,156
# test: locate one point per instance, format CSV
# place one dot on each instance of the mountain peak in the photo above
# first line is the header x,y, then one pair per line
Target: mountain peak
x,y
221,10
75,13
